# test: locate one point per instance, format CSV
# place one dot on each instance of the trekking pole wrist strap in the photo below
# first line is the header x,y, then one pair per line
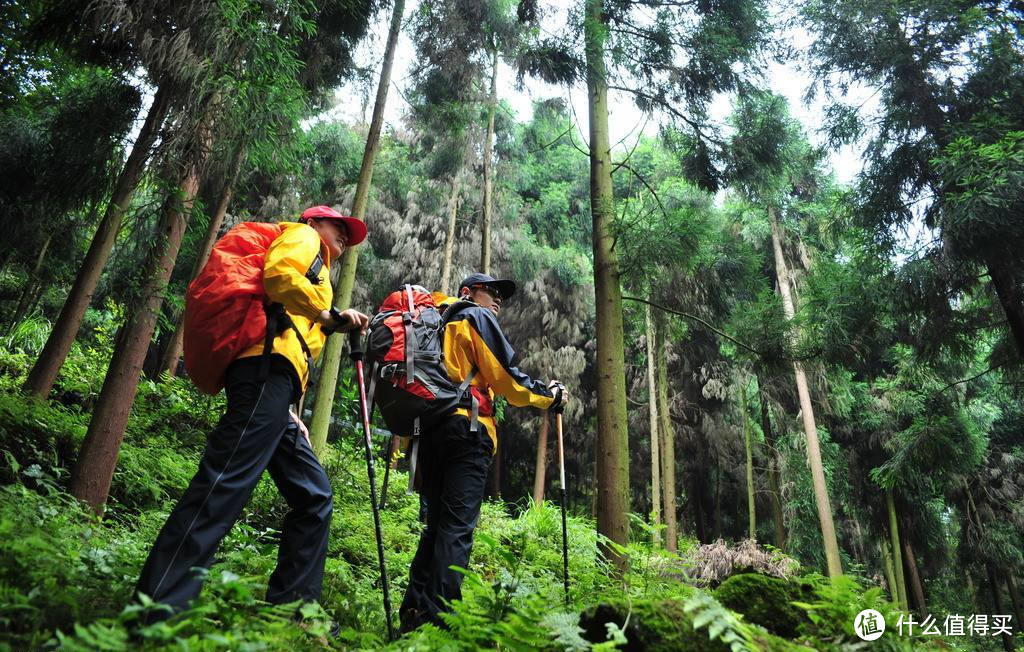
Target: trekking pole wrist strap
x,y
339,321
556,405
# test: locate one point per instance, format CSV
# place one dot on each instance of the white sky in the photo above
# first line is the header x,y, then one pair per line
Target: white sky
x,y
625,120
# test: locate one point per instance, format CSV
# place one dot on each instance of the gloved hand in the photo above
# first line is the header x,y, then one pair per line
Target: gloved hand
x,y
561,395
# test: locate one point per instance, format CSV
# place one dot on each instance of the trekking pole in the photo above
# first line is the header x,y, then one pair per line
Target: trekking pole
x,y
561,479
356,353
387,470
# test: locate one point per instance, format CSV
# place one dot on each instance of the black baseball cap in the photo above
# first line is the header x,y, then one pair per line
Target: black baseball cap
x,y
505,287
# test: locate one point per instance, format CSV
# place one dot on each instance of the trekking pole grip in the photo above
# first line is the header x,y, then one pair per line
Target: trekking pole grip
x,y
355,344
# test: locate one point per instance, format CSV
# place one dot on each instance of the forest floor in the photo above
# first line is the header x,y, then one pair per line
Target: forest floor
x,y
66,576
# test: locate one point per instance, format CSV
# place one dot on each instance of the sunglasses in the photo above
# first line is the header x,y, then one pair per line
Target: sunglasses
x,y
489,290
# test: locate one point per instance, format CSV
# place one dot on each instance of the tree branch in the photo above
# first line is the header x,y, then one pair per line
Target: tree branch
x,y
663,103
700,321
975,377
623,164
557,138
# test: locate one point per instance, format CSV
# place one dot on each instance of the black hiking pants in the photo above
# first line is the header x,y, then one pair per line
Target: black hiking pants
x,y
454,464
255,434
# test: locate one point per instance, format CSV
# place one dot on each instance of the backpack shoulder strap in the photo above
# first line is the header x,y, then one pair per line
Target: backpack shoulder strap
x,y
277,321
313,273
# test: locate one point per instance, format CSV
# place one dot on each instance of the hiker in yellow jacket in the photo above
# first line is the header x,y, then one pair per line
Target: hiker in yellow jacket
x,y
259,432
455,454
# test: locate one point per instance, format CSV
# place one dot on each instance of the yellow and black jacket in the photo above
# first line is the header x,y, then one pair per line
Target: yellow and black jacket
x,y
474,340
297,275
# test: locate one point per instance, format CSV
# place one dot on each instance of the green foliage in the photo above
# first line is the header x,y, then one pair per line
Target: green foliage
x,y
833,611
66,576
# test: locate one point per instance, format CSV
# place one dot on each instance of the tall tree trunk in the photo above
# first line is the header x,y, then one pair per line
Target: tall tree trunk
x,y
96,461
612,436
749,449
915,578
172,354
972,591
997,602
858,541
44,372
540,469
330,359
900,593
652,403
1018,607
485,231
821,498
773,468
716,522
32,283
890,570
444,285
700,516
1011,296
667,443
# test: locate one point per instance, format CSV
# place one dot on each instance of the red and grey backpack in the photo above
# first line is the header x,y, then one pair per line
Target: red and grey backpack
x,y
408,380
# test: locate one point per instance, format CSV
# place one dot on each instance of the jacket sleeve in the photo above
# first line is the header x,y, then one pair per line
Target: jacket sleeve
x,y
494,356
284,273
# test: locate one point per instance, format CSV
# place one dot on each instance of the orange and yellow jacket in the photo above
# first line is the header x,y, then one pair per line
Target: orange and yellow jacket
x,y
474,340
291,278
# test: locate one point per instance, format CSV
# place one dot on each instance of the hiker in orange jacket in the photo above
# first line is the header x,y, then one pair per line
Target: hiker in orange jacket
x,y
260,432
455,454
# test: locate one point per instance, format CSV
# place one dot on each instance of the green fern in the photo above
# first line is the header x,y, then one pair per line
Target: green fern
x,y
722,625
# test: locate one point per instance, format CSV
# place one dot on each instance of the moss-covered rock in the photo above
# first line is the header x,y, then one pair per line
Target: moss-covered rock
x,y
652,625
765,601
662,625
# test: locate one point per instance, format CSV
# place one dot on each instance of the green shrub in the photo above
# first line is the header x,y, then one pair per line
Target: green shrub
x,y
60,564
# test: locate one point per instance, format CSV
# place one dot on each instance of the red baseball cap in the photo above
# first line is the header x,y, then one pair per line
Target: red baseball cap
x,y
356,228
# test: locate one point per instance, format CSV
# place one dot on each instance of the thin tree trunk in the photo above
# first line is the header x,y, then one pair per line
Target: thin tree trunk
x,y
997,602
894,536
169,363
821,498
1018,607
667,447
540,469
485,231
32,283
330,359
890,571
98,456
44,372
700,517
449,242
612,436
716,522
859,542
749,449
1011,296
915,578
652,403
773,468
